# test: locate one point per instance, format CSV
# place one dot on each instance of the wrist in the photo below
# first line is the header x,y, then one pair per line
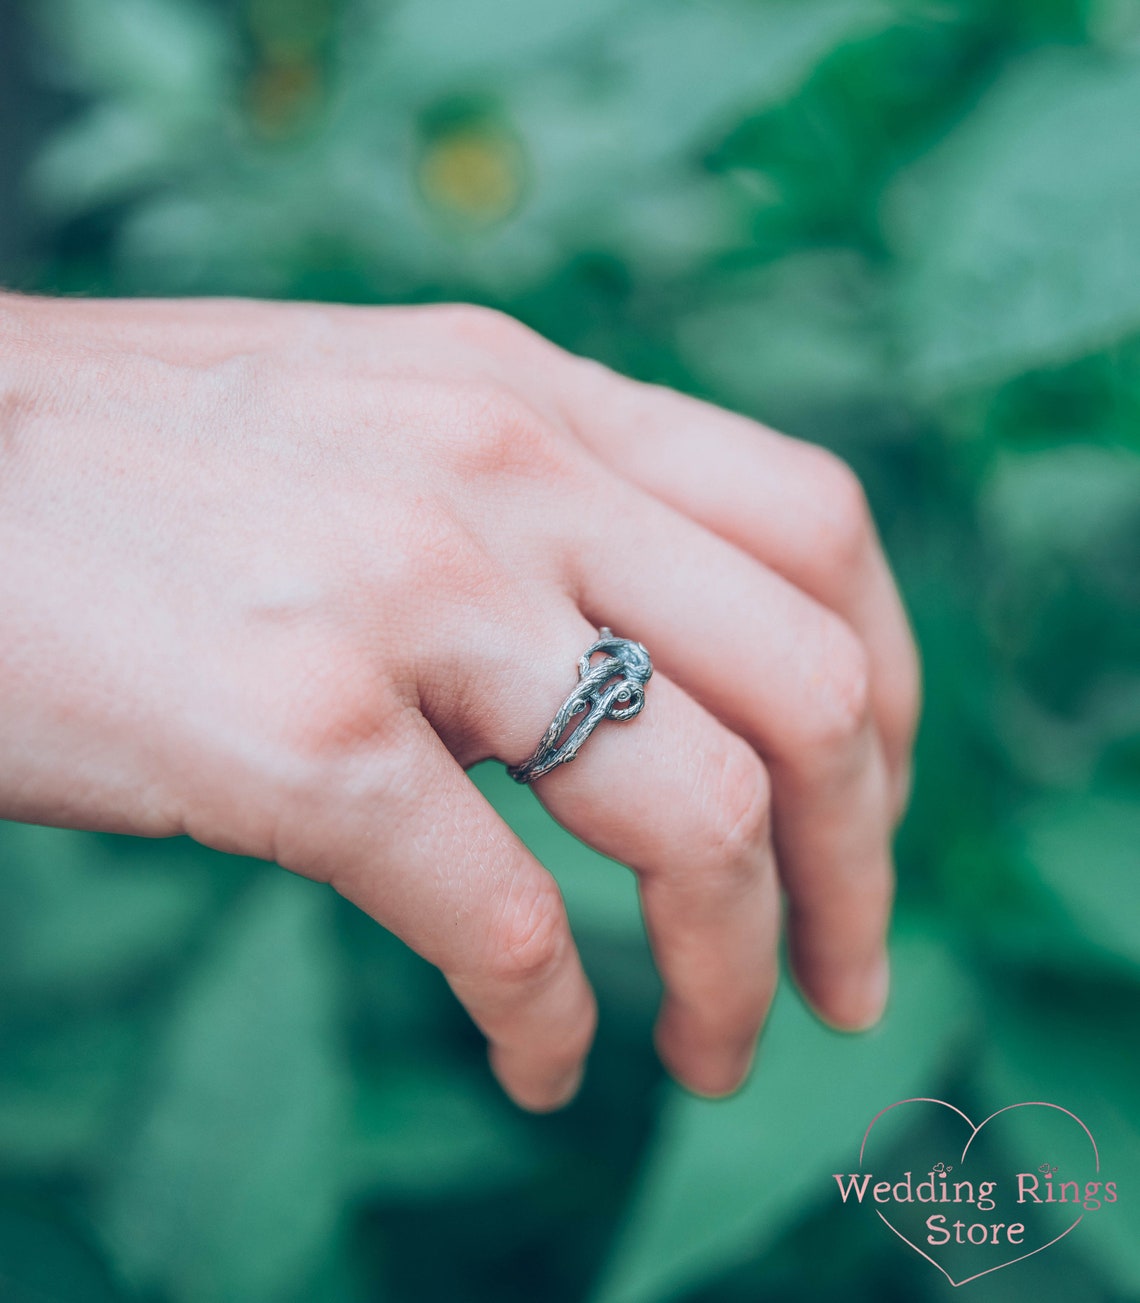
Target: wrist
x,y
60,762
20,368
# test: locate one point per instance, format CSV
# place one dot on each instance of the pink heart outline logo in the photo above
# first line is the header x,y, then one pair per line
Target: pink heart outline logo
x,y
974,1130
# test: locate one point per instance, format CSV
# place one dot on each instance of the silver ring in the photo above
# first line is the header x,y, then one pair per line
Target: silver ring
x,y
614,688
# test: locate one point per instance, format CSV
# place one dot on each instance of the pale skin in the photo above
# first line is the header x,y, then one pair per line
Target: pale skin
x,y
276,575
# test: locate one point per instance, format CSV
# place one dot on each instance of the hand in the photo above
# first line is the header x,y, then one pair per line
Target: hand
x,y
277,574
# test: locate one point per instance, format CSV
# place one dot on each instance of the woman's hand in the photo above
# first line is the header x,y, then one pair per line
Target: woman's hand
x,y
275,575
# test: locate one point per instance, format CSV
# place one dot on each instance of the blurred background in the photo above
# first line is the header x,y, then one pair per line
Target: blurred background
x,y
909,230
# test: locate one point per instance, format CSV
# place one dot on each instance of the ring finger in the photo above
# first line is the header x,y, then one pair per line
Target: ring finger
x,y
789,676
682,801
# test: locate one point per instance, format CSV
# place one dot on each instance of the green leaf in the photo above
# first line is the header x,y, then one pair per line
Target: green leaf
x,y
163,73
1021,227
60,1087
725,1178
45,1260
677,78
78,921
1075,1047
673,72
103,156
685,73
1099,487
230,1186
599,98
455,40
601,896
1086,851
172,52
427,1130
798,335
341,1277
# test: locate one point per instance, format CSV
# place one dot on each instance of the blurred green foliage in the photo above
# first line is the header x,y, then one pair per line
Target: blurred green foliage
x,y
909,229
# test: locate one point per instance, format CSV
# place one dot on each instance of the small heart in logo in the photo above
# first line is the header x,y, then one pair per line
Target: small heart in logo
x,y
959,1193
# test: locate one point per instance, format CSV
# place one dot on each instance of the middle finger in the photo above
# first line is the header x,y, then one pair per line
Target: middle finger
x,y
789,676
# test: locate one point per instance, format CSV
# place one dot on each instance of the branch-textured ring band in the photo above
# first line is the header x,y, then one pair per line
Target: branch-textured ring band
x,y
614,688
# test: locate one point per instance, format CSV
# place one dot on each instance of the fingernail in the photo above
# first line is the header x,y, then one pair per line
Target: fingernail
x,y
875,991
713,1071
735,1072
567,1086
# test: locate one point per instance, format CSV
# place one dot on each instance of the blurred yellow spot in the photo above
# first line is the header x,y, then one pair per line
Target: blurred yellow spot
x,y
281,94
473,174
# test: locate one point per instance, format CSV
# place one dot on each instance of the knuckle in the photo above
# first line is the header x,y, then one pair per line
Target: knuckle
x,y
739,816
488,327
331,706
841,706
845,512
533,939
331,738
500,436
